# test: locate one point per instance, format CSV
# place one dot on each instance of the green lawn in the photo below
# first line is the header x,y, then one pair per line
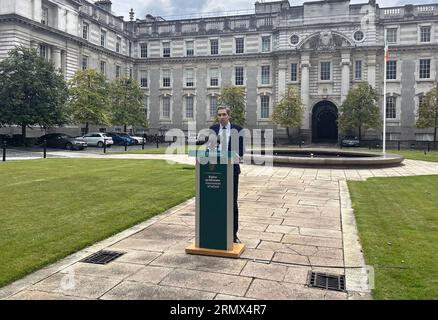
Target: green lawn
x,y
54,207
398,225
407,154
417,155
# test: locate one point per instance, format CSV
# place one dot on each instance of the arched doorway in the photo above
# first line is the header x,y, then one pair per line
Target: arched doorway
x,y
324,122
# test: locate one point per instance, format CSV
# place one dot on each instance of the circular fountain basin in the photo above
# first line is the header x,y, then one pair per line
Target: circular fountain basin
x,y
324,158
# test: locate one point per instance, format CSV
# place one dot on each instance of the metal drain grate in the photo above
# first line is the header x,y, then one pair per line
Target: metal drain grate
x,y
326,281
102,257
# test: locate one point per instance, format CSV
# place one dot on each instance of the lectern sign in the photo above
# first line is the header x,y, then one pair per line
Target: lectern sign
x,y
212,204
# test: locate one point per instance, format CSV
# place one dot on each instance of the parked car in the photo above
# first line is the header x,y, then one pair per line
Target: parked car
x,y
121,139
98,139
350,141
63,141
138,140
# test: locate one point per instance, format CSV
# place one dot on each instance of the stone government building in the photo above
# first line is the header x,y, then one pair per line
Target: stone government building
x,y
322,48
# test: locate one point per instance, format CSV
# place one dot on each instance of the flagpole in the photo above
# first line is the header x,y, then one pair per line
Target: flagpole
x,y
384,93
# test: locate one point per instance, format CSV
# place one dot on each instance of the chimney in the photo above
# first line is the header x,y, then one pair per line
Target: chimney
x,y
104,4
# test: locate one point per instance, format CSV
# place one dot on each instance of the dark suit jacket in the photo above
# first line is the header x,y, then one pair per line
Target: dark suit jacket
x,y
216,128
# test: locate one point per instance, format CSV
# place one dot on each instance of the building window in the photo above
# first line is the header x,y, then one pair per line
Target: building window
x,y
103,38
390,108
266,44
165,113
189,75
103,67
325,70
239,76
130,48
118,71
118,44
45,16
264,107
214,46
213,106
391,35
190,48
425,34
240,45
143,50
166,49
294,72
295,39
266,75
44,52
84,63
424,68
214,77
189,107
144,78
358,70
359,36
85,30
130,73
391,70
166,78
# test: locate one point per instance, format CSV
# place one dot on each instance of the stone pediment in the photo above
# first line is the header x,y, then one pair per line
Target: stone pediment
x,y
326,41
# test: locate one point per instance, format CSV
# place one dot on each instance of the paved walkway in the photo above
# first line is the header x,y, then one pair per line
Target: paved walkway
x,y
291,220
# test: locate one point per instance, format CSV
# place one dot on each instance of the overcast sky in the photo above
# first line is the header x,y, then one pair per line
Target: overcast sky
x,y
167,8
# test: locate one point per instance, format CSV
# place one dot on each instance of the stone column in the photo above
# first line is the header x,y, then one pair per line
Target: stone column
x,y
371,63
305,81
345,82
56,57
281,85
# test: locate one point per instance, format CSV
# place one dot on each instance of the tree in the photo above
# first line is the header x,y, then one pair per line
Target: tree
x,y
360,109
428,112
89,98
127,103
288,112
32,92
234,97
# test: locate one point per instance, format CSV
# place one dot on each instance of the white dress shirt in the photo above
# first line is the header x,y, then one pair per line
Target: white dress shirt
x,y
227,132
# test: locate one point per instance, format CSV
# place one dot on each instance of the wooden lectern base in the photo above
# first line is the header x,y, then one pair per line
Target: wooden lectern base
x,y
238,249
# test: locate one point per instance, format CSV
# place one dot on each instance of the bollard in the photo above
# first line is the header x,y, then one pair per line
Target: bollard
x,y
126,145
104,145
45,149
428,147
4,150
156,140
142,144
398,146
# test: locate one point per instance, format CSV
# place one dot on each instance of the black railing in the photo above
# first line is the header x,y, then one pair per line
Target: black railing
x,y
400,145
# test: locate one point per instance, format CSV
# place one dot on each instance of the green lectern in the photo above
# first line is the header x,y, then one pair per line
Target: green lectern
x,y
214,206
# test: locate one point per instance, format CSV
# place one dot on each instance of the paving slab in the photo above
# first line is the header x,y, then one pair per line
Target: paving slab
x,y
129,290
215,282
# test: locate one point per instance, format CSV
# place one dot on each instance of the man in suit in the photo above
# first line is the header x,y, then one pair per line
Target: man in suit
x,y
226,129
